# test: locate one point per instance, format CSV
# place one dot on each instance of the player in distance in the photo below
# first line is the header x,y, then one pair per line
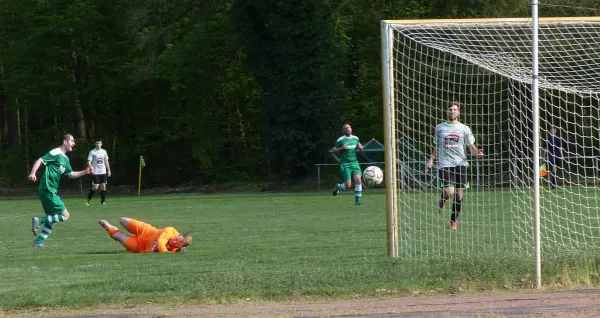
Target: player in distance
x,y
98,160
346,146
146,238
553,146
451,138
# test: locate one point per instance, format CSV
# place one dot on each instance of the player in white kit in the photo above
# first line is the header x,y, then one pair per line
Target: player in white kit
x,y
450,140
98,160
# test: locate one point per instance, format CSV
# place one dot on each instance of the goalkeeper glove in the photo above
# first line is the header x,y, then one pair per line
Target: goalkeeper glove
x,y
181,250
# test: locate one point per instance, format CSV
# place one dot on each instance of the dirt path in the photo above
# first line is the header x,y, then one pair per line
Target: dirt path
x,y
581,303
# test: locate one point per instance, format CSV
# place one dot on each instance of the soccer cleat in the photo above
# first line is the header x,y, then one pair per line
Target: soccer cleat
x,y
357,203
37,244
452,225
105,224
35,225
103,203
87,202
335,191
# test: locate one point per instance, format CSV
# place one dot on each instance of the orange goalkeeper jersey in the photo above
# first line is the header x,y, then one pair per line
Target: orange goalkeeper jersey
x,y
149,239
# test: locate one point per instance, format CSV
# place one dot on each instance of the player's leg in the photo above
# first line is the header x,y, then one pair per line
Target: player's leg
x,y
103,181
553,162
357,178
93,189
115,233
460,174
56,212
346,176
136,227
447,184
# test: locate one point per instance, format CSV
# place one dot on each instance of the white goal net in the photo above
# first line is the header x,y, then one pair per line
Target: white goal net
x,y
486,66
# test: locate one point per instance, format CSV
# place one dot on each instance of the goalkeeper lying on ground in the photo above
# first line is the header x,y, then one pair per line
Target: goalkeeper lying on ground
x,y
146,238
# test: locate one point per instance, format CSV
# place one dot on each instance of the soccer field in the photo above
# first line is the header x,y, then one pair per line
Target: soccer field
x,y
500,221
268,246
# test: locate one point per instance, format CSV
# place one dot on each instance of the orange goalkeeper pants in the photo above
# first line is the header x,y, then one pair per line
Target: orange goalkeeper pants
x,y
143,238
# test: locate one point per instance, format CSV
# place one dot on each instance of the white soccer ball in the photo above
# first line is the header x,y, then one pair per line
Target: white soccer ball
x,y
372,176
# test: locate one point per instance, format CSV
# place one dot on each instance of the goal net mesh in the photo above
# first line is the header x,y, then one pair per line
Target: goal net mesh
x,y
486,68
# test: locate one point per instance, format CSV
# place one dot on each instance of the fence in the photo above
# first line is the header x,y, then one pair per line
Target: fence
x,y
501,172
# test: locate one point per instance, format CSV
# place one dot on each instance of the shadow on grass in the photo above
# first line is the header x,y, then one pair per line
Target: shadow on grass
x,y
104,252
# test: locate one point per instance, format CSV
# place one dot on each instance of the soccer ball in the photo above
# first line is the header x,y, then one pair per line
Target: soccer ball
x,y
372,176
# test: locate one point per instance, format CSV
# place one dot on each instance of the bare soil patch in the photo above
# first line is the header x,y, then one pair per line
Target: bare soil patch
x,y
577,303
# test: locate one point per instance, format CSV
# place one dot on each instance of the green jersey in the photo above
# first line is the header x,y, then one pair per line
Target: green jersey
x,y
57,164
348,155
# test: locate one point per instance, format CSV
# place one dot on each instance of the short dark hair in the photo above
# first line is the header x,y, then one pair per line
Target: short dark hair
x,y
64,137
454,104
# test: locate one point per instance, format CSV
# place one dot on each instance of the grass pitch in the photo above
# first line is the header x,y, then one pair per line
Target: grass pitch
x,y
261,246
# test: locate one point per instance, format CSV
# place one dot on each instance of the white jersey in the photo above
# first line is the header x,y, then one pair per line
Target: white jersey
x,y
98,159
451,140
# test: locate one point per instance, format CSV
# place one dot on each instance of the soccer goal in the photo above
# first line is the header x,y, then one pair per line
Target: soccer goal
x,y
488,66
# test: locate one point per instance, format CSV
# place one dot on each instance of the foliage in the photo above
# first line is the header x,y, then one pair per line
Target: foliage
x,y
207,91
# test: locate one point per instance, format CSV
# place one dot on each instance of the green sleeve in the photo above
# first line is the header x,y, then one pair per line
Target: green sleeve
x,y
47,158
68,168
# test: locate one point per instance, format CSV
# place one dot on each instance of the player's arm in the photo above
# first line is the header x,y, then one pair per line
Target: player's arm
x,y
434,154
79,174
470,143
339,147
108,173
89,158
161,245
34,169
475,151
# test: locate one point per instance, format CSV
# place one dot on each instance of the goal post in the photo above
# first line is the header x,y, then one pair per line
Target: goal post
x,y
389,121
525,113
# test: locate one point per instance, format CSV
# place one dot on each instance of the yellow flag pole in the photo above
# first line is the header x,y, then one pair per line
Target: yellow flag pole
x,y
140,175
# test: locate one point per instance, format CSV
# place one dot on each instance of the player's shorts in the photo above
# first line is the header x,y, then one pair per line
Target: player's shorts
x,y
134,244
99,178
453,177
138,243
51,202
347,170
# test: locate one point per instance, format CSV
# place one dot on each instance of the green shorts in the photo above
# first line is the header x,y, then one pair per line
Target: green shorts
x,y
51,203
348,170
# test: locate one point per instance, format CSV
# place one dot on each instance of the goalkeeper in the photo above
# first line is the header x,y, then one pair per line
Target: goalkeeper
x,y
450,140
146,238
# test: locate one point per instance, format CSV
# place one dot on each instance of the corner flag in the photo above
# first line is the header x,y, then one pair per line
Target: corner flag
x,y
142,165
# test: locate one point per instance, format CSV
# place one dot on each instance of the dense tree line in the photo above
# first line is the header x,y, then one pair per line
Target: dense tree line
x,y
207,91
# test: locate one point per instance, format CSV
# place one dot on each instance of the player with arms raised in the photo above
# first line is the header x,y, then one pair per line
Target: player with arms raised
x,y
450,140
346,147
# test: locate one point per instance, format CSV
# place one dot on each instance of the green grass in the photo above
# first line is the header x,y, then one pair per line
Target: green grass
x,y
500,221
265,246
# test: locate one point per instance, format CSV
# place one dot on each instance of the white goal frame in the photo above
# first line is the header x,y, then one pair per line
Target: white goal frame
x,y
389,105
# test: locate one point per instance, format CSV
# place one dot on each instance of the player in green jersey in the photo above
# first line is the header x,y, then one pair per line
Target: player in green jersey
x,y
346,146
57,165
